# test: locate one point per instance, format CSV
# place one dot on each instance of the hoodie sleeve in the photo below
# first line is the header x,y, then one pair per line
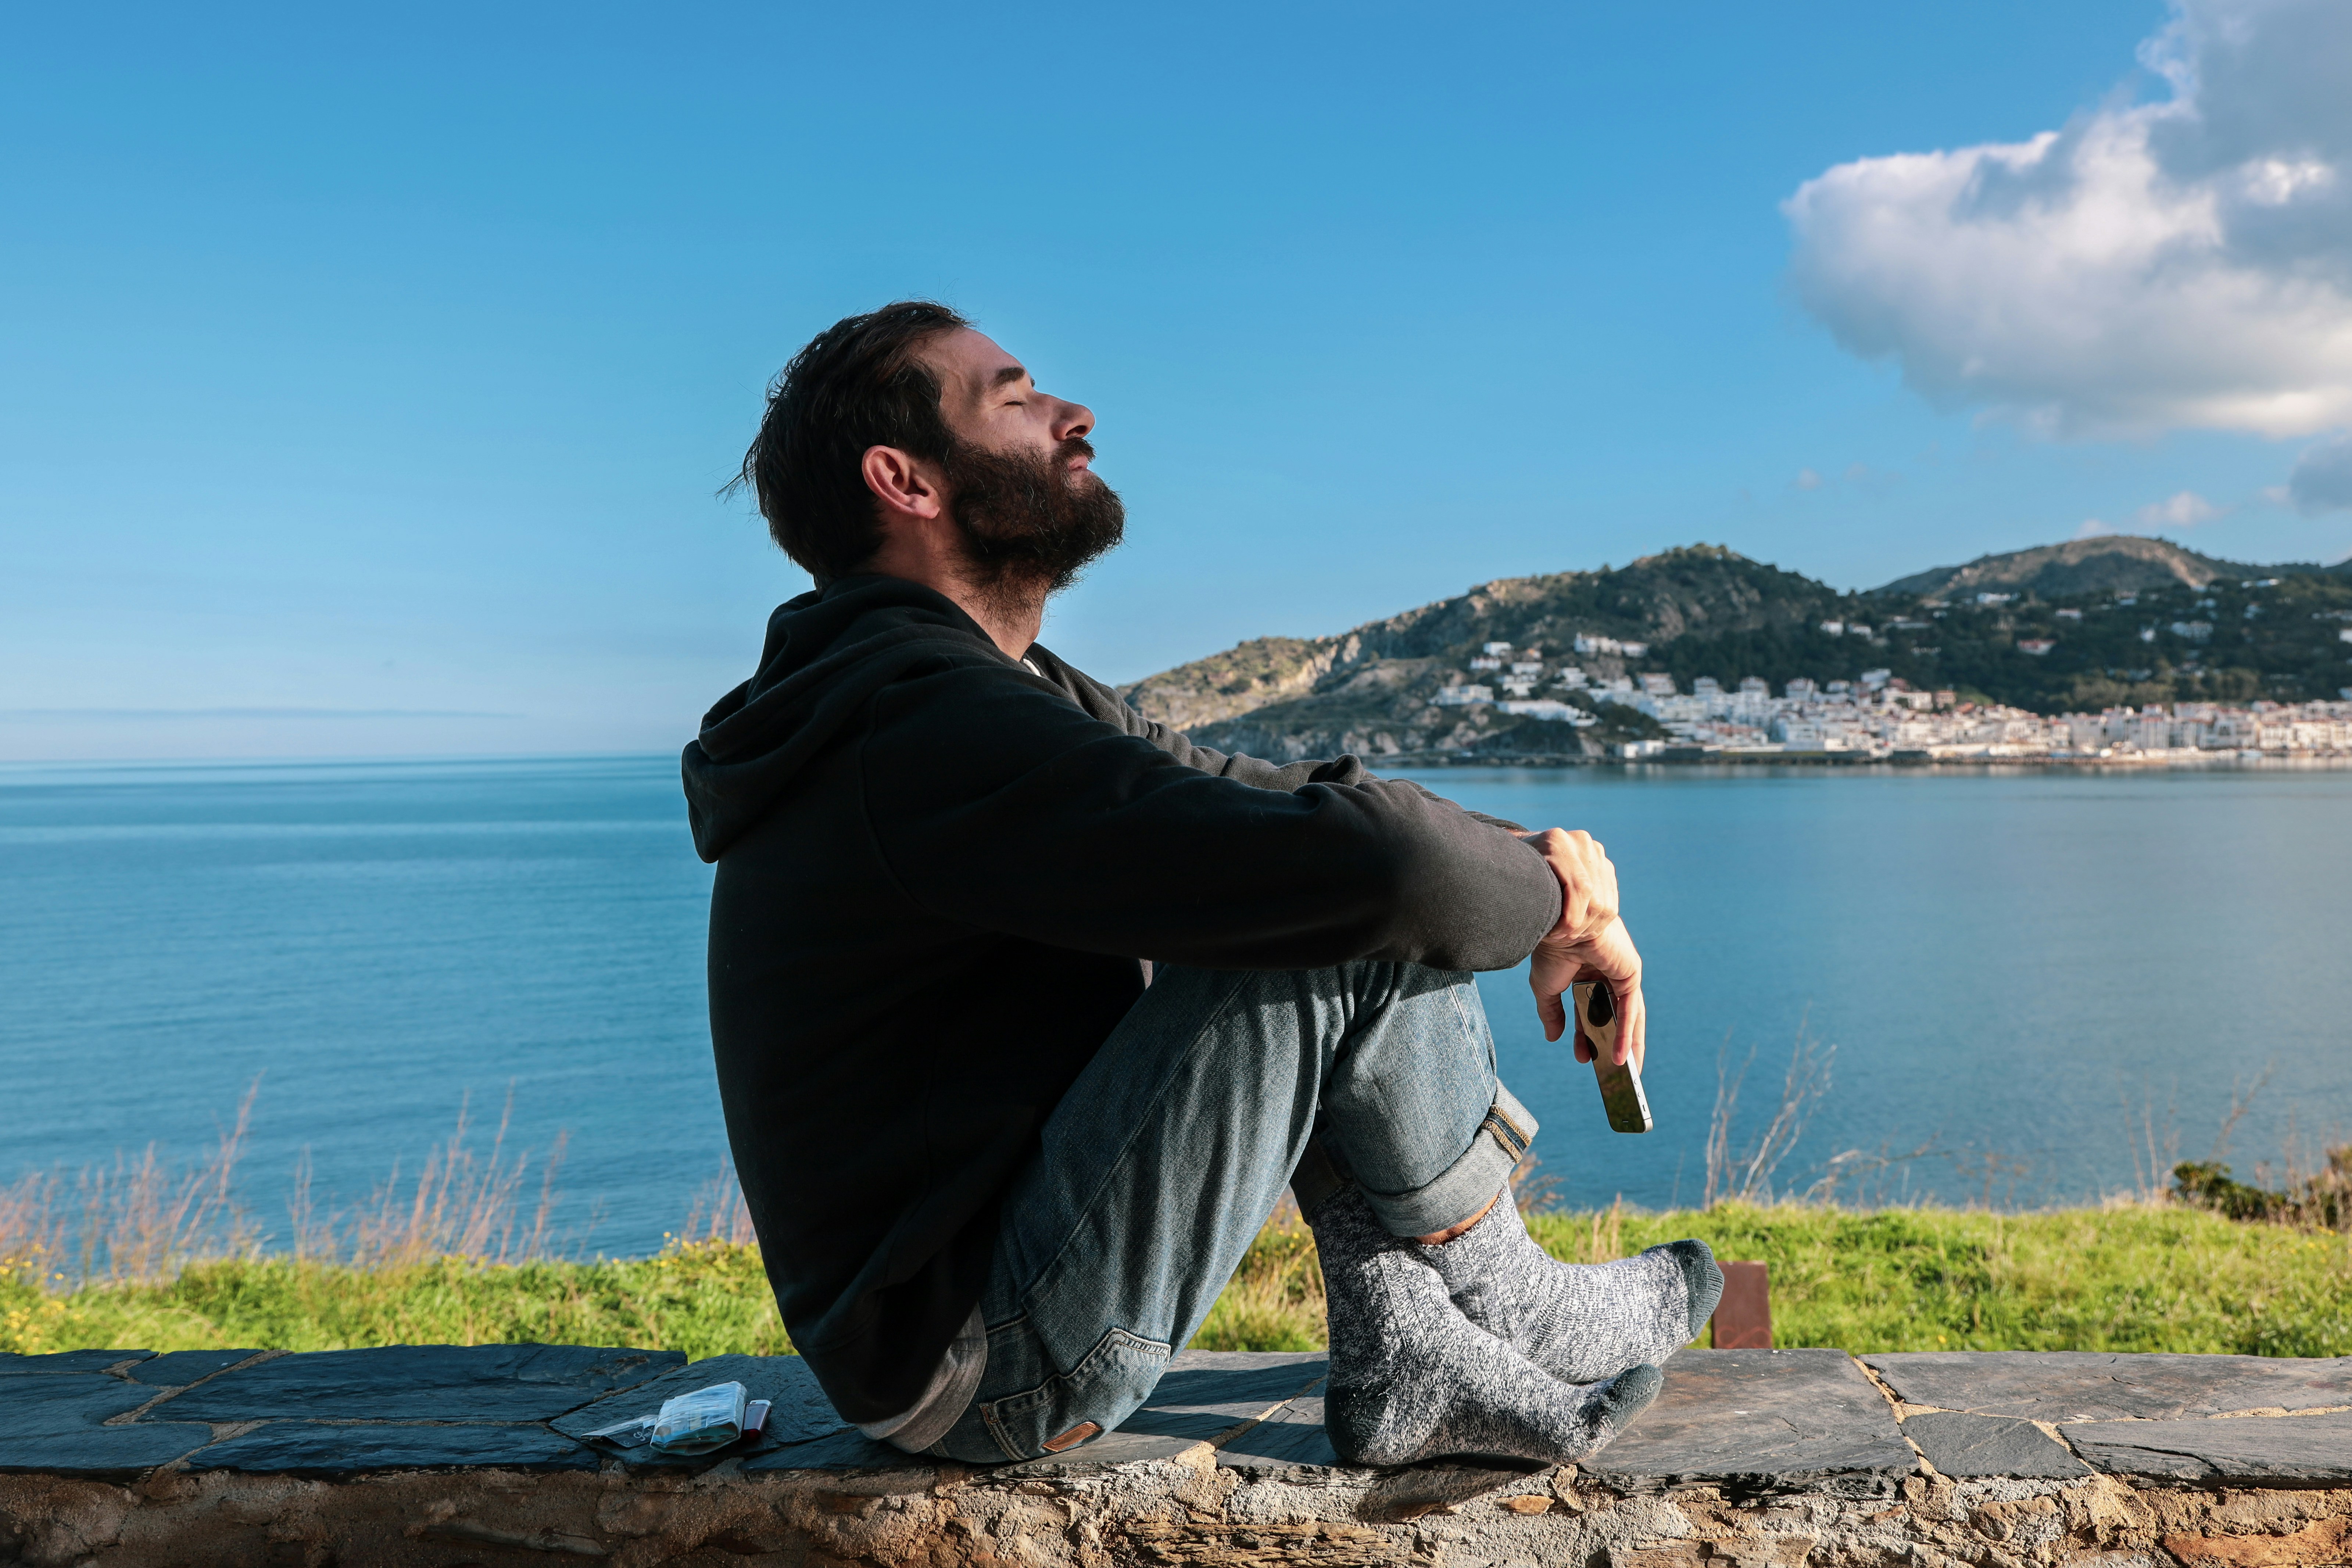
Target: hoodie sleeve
x,y
1107,705
996,802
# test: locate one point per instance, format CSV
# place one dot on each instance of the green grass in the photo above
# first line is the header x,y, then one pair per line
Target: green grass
x,y
704,1298
2154,1278
2079,1279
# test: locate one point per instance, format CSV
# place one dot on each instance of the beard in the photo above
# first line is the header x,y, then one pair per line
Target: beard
x,y
1029,521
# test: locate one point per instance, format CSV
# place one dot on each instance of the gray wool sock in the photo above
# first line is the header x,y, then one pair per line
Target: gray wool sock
x,y
1412,1378
1581,1322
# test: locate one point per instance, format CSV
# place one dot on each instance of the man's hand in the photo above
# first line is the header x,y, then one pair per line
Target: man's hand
x,y
1589,943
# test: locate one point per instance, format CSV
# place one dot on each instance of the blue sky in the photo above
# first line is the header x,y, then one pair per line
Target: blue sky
x,y
370,378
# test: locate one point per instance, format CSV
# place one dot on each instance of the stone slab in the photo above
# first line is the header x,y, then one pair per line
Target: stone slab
x,y
1202,1397
801,1432
321,1448
422,1382
101,1452
1757,1419
842,1448
797,1408
66,1360
177,1369
2242,1450
1290,1438
801,1421
53,1425
2082,1385
1970,1447
66,1402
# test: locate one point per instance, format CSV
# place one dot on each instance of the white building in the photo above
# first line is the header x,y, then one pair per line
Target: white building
x,y
1558,712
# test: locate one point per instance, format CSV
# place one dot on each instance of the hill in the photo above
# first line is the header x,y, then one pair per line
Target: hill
x,y
2119,619
1370,689
2112,563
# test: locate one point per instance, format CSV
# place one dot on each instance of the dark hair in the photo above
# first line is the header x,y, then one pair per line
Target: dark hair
x,y
856,385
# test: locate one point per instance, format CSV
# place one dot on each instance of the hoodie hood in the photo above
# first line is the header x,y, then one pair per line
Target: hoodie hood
x,y
827,653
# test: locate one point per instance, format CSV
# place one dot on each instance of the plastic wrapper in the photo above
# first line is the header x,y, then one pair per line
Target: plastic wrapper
x,y
699,1422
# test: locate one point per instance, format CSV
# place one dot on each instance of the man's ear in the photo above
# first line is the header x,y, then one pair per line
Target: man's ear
x,y
904,484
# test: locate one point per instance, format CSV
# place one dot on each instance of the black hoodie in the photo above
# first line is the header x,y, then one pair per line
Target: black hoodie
x,y
937,872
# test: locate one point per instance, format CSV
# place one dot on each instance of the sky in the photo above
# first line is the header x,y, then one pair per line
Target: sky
x,y
368,378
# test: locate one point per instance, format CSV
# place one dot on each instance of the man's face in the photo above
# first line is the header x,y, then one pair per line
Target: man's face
x,y
1020,480
989,402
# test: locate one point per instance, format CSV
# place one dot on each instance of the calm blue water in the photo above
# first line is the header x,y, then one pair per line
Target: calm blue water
x,y
2002,961
2031,968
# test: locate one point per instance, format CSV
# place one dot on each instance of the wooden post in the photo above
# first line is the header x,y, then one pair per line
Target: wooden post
x,y
1743,1319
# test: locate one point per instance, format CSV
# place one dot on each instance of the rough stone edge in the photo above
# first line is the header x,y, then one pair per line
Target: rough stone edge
x,y
1168,1511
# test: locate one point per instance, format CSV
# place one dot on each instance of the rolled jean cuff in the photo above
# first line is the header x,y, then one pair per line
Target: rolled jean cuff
x,y
1465,1188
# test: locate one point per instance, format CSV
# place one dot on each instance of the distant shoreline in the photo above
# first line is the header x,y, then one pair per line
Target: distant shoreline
x,y
1835,760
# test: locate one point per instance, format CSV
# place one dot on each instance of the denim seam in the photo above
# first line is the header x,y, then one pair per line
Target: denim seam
x,y
1114,1338
1476,1026
1506,1135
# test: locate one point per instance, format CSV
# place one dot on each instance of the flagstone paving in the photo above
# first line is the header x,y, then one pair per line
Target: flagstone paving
x,y
477,1454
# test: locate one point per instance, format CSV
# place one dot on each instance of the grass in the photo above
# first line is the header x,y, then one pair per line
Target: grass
x,y
704,1298
2154,1276
2127,1277
145,1256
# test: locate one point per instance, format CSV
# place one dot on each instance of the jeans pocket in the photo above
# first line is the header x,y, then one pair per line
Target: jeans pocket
x,y
1113,1378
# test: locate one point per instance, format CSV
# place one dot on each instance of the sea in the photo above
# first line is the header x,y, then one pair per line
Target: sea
x,y
2011,989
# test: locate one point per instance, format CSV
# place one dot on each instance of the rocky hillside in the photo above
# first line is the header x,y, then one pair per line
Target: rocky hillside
x,y
2112,563
1368,689
1706,610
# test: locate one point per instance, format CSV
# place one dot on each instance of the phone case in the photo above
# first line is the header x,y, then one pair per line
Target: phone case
x,y
1620,1087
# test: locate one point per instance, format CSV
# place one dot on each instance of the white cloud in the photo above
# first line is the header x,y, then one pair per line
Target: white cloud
x,y
2092,529
2186,509
2322,481
1807,479
2184,264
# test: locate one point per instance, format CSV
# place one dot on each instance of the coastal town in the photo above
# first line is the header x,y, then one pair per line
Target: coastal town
x,y
1878,717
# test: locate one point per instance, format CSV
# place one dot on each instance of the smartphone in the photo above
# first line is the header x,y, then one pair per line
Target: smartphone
x,y
1620,1087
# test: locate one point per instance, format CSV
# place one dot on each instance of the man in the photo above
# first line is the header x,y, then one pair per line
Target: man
x,y
1026,1008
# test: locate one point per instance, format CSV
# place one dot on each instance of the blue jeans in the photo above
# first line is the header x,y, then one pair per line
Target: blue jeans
x,y
1161,1162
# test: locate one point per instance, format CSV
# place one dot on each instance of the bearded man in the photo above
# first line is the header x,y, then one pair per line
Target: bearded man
x,y
1026,1009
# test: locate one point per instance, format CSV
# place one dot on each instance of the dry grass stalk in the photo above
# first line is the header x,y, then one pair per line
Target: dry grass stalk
x,y
31,1234
459,1206
1745,1175
1607,1242
1533,1192
143,1221
2153,1161
719,1213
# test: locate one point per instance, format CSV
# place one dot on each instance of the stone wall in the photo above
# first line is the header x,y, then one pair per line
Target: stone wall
x,y
478,1456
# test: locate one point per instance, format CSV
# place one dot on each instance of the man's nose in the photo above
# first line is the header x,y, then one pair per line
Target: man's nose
x,y
1072,420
